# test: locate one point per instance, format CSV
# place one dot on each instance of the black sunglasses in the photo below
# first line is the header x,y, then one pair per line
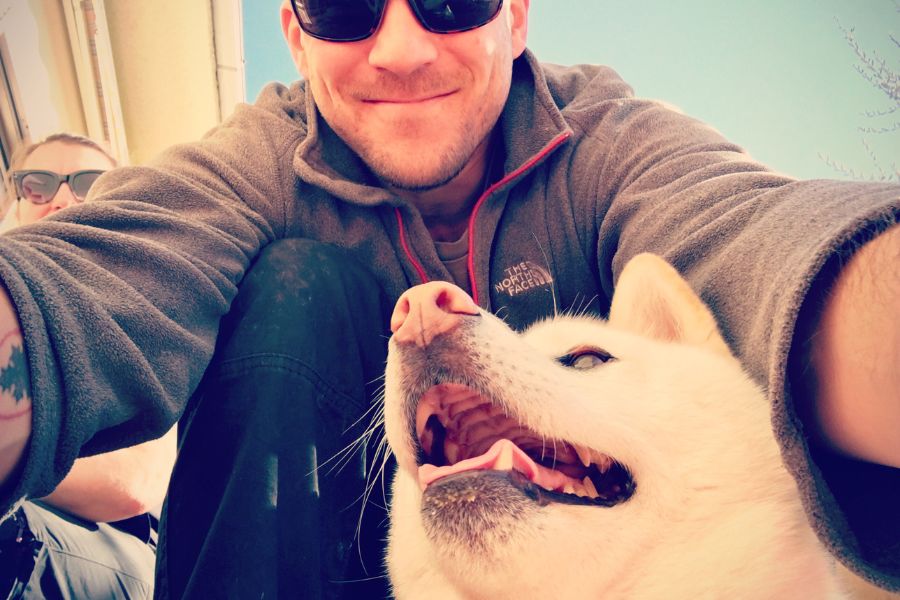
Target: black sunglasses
x,y
39,187
352,20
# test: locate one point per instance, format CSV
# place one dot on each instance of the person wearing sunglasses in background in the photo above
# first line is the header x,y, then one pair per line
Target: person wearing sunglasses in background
x,y
41,192
246,281
93,536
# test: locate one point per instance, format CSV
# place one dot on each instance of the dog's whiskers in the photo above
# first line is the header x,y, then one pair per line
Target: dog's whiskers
x,y
549,272
372,477
379,405
343,456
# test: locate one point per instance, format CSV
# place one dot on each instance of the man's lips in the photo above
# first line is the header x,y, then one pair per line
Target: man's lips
x,y
405,100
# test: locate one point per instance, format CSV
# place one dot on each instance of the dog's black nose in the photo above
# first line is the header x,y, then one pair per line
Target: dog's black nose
x,y
429,310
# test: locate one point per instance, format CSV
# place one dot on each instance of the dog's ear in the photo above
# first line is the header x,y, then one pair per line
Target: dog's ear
x,y
652,299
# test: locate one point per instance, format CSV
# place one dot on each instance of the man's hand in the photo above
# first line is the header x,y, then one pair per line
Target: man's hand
x,y
856,355
120,484
15,391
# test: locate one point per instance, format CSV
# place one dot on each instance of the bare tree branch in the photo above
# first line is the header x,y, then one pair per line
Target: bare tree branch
x,y
874,114
877,72
880,130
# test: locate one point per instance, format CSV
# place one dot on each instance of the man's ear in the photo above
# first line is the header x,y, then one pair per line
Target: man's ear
x,y
293,35
518,14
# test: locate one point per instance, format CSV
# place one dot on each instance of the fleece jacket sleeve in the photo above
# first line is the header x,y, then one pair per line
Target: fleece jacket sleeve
x,y
754,243
119,299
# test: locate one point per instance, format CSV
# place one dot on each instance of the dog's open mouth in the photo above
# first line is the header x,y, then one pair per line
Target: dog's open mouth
x,y
459,431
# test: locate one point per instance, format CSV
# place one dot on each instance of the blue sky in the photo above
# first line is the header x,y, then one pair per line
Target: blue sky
x,y
776,77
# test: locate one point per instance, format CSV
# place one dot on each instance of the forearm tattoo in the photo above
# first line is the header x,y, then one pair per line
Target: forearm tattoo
x,y
15,382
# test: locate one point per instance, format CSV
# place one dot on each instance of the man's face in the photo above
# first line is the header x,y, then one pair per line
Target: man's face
x,y
414,105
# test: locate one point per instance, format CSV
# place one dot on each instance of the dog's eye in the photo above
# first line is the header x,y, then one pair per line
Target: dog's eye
x,y
586,358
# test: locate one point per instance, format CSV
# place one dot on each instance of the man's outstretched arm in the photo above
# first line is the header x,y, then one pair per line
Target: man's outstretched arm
x,y
15,391
856,355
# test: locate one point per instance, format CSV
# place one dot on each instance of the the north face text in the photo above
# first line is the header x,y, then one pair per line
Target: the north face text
x,y
522,277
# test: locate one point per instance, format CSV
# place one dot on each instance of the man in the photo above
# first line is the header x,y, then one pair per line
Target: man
x,y
428,144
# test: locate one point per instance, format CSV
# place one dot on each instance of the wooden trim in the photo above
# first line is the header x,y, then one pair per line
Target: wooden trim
x,y
14,132
96,74
229,45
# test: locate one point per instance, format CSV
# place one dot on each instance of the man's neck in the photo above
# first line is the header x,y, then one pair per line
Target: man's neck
x,y
446,209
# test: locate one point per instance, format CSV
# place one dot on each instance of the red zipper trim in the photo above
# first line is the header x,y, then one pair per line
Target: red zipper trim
x,y
415,263
470,262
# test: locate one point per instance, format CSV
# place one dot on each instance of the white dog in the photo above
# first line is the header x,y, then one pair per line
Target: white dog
x,y
584,459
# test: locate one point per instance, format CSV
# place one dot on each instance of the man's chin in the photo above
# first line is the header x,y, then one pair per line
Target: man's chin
x,y
414,185
416,179
417,161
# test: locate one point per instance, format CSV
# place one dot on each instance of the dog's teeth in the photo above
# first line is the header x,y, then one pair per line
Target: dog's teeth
x,y
568,488
602,462
589,487
584,455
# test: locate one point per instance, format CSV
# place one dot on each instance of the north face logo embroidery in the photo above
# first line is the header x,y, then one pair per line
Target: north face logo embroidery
x,y
522,277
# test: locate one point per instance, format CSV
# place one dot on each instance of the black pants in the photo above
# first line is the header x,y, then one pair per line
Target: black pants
x,y
262,503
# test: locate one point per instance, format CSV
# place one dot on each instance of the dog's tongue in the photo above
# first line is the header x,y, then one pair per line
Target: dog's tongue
x,y
502,456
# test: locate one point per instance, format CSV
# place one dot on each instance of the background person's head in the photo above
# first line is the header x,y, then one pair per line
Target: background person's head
x,y
61,154
416,105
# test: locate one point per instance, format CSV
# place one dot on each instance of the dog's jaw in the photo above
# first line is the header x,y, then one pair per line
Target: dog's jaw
x,y
467,553
475,514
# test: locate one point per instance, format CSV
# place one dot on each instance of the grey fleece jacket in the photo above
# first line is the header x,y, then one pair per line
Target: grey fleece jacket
x,y
120,299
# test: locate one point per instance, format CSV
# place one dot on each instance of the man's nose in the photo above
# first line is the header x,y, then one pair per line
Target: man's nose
x,y
427,311
401,45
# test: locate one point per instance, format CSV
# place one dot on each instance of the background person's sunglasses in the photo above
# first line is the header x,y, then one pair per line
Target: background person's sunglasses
x,y
39,187
352,20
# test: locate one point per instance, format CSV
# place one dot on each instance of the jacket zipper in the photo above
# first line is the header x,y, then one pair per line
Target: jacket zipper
x,y
415,263
470,261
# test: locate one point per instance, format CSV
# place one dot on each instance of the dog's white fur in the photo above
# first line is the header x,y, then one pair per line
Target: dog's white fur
x,y
714,514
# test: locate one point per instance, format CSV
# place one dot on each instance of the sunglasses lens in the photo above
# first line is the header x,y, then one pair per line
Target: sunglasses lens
x,y
39,188
350,20
339,20
83,181
449,16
